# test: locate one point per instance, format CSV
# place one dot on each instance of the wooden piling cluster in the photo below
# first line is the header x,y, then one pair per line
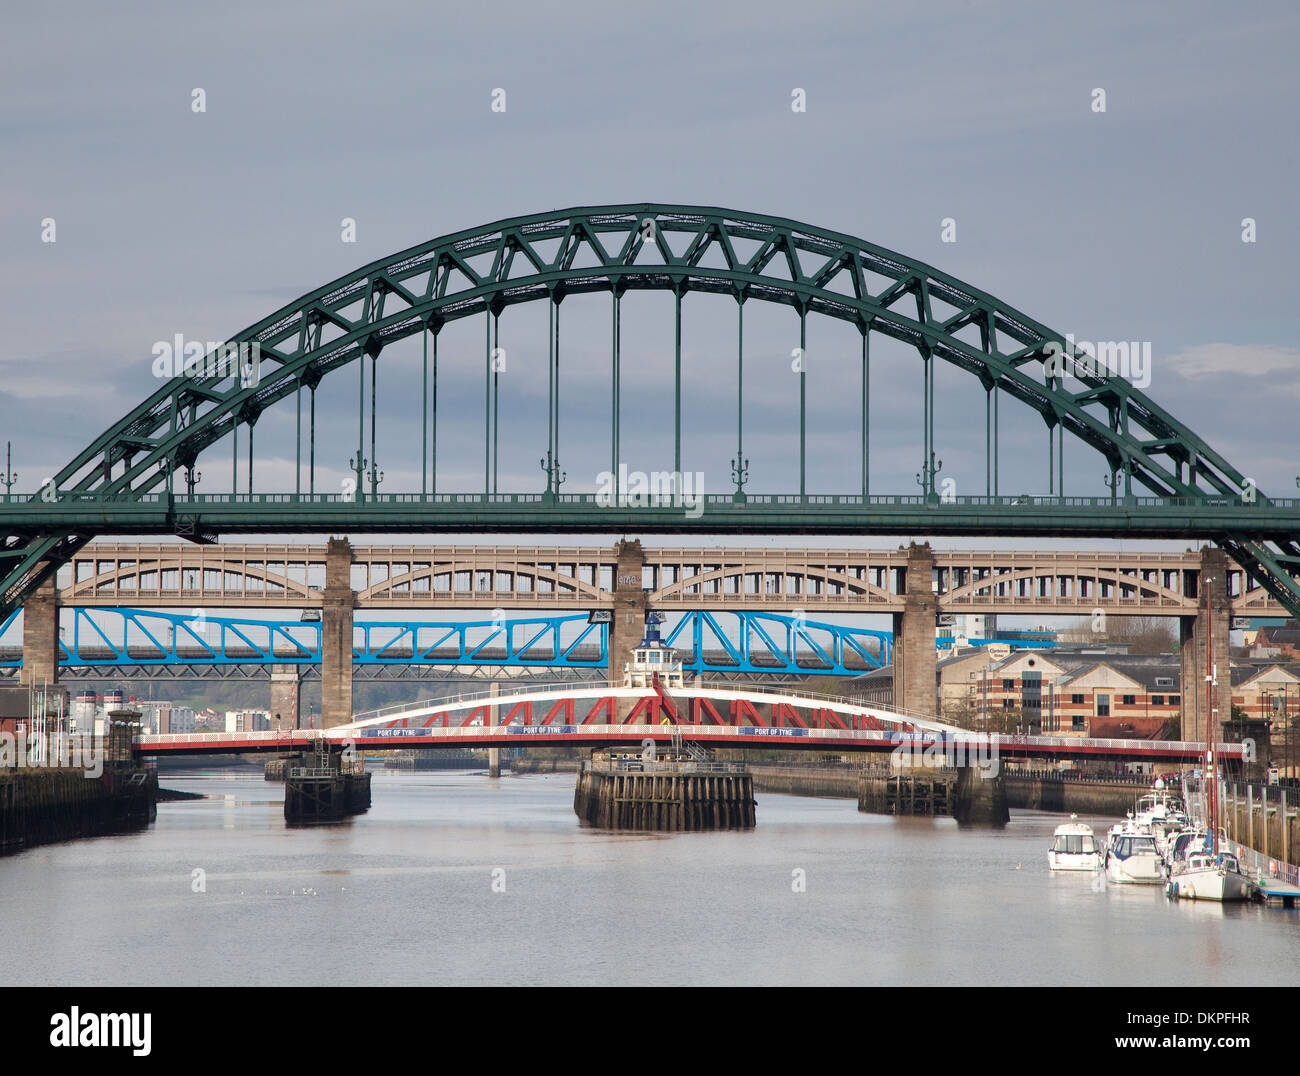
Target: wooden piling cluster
x,y
966,793
324,793
664,800
1264,818
38,806
930,793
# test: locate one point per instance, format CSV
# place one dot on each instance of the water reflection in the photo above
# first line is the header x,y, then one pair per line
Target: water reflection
x,y
451,878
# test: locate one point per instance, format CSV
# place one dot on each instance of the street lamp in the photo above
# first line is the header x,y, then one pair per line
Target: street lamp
x,y
739,475
359,463
925,476
9,477
554,476
1112,482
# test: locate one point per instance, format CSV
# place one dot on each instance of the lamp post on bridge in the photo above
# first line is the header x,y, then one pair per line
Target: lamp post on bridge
x,y
739,475
554,476
926,475
9,477
359,463
1112,481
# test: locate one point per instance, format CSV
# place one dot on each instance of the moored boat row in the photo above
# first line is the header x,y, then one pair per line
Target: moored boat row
x,y
1154,845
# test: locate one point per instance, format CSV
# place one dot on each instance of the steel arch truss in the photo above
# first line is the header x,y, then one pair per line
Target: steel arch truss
x,y
649,246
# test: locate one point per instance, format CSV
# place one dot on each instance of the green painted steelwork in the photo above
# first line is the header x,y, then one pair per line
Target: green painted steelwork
x,y
120,483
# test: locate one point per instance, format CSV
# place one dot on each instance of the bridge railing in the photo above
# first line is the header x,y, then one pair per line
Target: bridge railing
x,y
594,500
1078,777
291,738
636,765
594,687
312,772
396,710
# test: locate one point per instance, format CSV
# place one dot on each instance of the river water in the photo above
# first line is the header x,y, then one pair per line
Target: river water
x,y
451,878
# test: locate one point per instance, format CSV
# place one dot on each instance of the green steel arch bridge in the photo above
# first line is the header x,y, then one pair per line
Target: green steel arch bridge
x,y
137,477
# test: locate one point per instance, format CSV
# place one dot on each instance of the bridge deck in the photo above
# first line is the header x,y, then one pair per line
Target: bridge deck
x,y
759,737
546,577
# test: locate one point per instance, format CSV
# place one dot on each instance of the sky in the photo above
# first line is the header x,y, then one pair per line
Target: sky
x,y
1119,224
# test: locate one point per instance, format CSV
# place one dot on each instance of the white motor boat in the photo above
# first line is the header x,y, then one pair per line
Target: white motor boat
x,y
1160,813
1132,858
1074,848
1128,828
1155,807
1180,845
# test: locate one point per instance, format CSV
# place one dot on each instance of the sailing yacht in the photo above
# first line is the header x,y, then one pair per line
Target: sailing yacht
x,y
1207,875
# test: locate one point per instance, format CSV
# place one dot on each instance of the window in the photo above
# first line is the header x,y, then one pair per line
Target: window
x,y
1008,685
1103,706
1174,700
1164,681
1129,700
1007,704
1077,723
1157,700
1076,700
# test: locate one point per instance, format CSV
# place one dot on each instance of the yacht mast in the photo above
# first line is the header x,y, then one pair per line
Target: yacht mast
x,y
1211,733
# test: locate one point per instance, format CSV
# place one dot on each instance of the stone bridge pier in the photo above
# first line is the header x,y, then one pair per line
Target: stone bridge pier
x,y
1192,639
286,688
628,626
915,661
41,636
339,602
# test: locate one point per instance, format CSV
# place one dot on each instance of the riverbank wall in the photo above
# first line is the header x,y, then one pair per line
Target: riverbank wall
x,y
1027,790
544,765
40,805
1073,795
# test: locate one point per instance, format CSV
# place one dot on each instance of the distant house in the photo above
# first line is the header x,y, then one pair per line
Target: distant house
x,y
1284,641
1266,692
1118,699
1080,692
1088,691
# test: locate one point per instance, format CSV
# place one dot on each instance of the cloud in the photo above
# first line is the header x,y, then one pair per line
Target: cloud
x,y
1245,360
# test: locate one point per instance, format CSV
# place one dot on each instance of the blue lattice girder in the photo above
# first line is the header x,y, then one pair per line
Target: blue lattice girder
x,y
741,642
